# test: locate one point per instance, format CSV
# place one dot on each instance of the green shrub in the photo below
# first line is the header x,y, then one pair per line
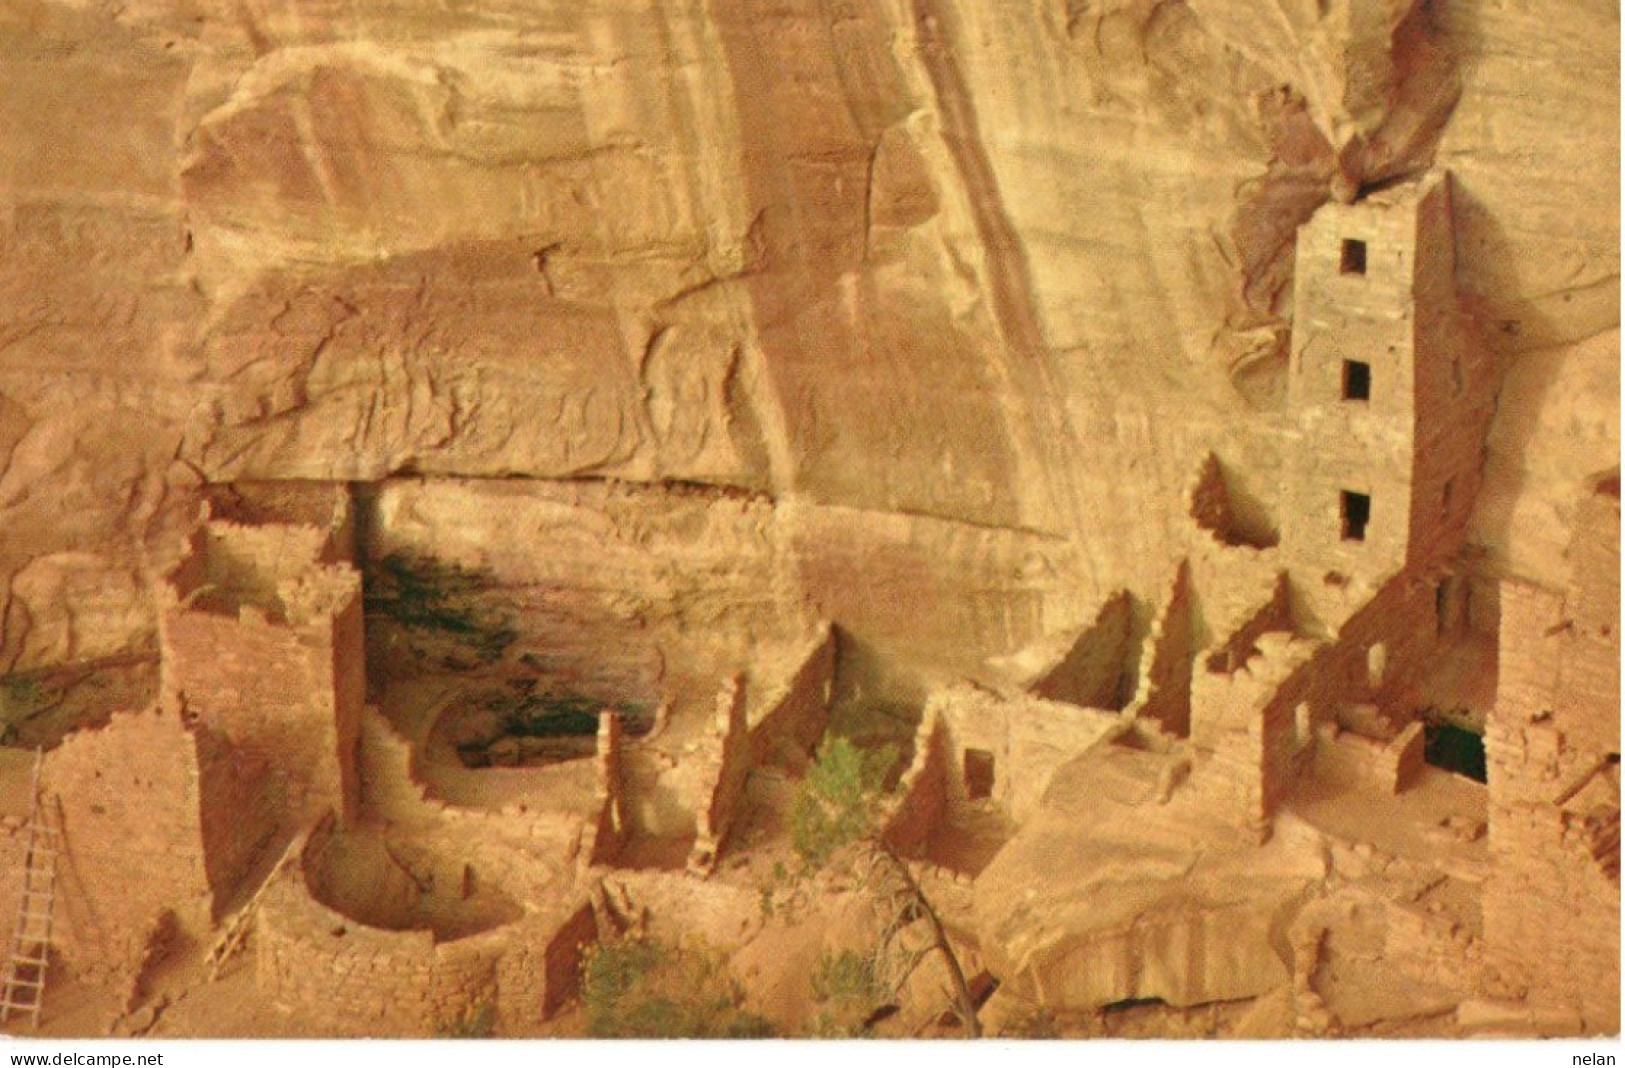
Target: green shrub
x,y
848,990
644,988
833,805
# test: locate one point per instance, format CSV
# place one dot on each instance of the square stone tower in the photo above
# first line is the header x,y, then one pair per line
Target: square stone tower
x,y
1388,422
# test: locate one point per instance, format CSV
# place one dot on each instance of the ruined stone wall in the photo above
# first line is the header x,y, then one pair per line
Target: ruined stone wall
x,y
134,846
725,762
325,506
1028,738
922,793
796,713
1236,647
603,837
1591,662
1165,678
239,804
1551,902
1094,671
249,562
289,695
346,629
346,978
541,970
1243,728
1219,506
1402,618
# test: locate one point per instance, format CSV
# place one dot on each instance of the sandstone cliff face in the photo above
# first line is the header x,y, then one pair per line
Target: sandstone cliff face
x,y
961,281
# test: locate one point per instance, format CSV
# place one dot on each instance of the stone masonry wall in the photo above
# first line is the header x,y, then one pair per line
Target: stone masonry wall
x,y
346,979
797,713
1165,680
1455,386
922,793
343,978
603,837
288,695
132,838
239,803
1551,905
249,562
1028,738
1361,446
1367,764
722,777
1094,671
1243,729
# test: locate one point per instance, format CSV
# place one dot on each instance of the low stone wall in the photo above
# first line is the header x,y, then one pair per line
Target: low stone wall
x,y
344,978
1365,763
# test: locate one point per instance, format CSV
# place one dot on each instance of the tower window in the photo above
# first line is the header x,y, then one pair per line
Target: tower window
x,y
978,774
1356,515
1356,380
1353,260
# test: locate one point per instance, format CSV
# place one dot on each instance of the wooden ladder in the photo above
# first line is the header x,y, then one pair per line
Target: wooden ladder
x,y
24,988
235,931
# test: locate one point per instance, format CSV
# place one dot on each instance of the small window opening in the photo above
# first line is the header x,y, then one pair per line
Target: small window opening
x,y
1356,380
1455,749
978,774
1444,605
1449,494
1356,515
1376,665
1353,259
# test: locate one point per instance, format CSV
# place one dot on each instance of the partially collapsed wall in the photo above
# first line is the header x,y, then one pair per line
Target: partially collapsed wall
x,y
1551,903
133,840
263,648
1005,749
